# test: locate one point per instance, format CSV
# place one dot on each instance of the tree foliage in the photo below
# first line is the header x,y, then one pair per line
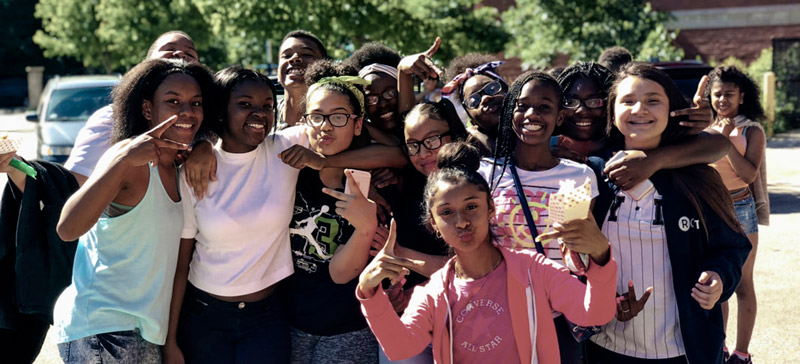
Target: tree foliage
x,y
115,34
581,29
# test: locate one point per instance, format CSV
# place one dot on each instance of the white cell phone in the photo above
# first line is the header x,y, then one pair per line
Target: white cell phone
x,y
362,179
638,191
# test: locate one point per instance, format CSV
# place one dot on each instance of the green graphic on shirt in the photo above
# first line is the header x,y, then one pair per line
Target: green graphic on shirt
x,y
327,230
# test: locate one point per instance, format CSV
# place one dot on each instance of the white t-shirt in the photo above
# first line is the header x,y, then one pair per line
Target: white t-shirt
x,y
639,245
242,224
510,227
92,142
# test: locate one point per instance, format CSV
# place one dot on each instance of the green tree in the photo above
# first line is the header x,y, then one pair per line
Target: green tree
x,y
581,29
115,34
408,26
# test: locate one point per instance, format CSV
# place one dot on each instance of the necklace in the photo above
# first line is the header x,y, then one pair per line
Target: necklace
x,y
460,272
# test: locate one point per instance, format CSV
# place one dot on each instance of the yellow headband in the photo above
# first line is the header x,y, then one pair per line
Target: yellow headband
x,y
349,82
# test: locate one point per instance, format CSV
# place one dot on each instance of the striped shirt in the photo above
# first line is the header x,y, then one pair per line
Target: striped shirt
x,y
639,245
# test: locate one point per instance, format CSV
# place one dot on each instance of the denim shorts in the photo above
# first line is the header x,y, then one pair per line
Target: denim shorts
x,y
746,212
123,347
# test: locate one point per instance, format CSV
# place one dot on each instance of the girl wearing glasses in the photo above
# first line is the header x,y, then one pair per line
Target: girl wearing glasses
x,y
331,232
480,90
585,86
428,127
377,63
523,161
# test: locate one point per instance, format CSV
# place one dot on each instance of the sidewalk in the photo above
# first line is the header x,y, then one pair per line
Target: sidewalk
x,y
776,339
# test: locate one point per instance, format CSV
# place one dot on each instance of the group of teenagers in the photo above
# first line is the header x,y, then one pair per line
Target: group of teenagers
x,y
213,225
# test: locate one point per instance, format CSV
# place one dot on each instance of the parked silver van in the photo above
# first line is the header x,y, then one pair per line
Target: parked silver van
x,y
66,103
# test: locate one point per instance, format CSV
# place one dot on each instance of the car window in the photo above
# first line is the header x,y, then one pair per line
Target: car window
x,y
76,104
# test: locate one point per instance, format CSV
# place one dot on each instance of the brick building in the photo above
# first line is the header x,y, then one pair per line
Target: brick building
x,y
717,29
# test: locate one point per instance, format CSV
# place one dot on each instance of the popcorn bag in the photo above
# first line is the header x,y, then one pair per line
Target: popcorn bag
x,y
571,203
9,144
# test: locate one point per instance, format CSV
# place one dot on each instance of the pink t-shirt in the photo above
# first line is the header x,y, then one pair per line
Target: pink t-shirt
x,y
482,331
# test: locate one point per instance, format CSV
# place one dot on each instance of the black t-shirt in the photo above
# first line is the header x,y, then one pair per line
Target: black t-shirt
x,y
316,304
407,210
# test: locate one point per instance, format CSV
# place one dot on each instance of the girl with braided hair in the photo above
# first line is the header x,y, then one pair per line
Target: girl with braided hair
x,y
585,86
523,162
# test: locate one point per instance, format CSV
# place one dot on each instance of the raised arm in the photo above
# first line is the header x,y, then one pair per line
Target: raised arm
x,y
422,66
116,168
426,265
400,339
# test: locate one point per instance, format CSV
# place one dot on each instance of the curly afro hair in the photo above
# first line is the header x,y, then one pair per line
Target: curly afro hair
x,y
751,106
373,52
470,60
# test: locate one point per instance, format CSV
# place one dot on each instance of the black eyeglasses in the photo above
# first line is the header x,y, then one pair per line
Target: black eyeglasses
x,y
593,103
432,142
338,120
491,89
375,99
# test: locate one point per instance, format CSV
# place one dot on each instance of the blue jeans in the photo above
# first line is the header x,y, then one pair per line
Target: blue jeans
x,y
746,212
215,331
123,347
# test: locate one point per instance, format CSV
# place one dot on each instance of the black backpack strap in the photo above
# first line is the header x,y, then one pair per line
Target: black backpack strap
x,y
525,208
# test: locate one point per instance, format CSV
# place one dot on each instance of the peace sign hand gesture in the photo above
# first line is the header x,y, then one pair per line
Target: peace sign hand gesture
x,y
147,147
356,208
385,265
420,64
700,114
627,304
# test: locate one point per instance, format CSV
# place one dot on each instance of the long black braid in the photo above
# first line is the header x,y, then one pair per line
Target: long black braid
x,y
507,140
593,71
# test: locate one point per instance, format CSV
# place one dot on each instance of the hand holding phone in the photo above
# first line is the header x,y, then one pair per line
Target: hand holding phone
x,y
362,179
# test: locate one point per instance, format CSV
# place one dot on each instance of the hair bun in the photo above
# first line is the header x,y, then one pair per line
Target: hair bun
x,y
459,155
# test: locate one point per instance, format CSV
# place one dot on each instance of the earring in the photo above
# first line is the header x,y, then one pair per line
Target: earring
x,y
438,234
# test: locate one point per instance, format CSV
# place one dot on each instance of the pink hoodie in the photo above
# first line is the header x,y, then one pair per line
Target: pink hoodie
x,y
553,289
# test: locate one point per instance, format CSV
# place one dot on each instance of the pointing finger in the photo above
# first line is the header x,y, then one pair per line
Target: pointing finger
x,y
435,47
390,241
335,194
161,128
701,90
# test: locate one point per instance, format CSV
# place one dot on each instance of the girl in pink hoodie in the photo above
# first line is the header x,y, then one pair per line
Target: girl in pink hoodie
x,y
488,303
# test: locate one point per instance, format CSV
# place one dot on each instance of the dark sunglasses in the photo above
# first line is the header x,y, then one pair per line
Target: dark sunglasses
x,y
491,89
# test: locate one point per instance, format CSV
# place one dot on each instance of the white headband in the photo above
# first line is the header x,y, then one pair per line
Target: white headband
x,y
377,67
